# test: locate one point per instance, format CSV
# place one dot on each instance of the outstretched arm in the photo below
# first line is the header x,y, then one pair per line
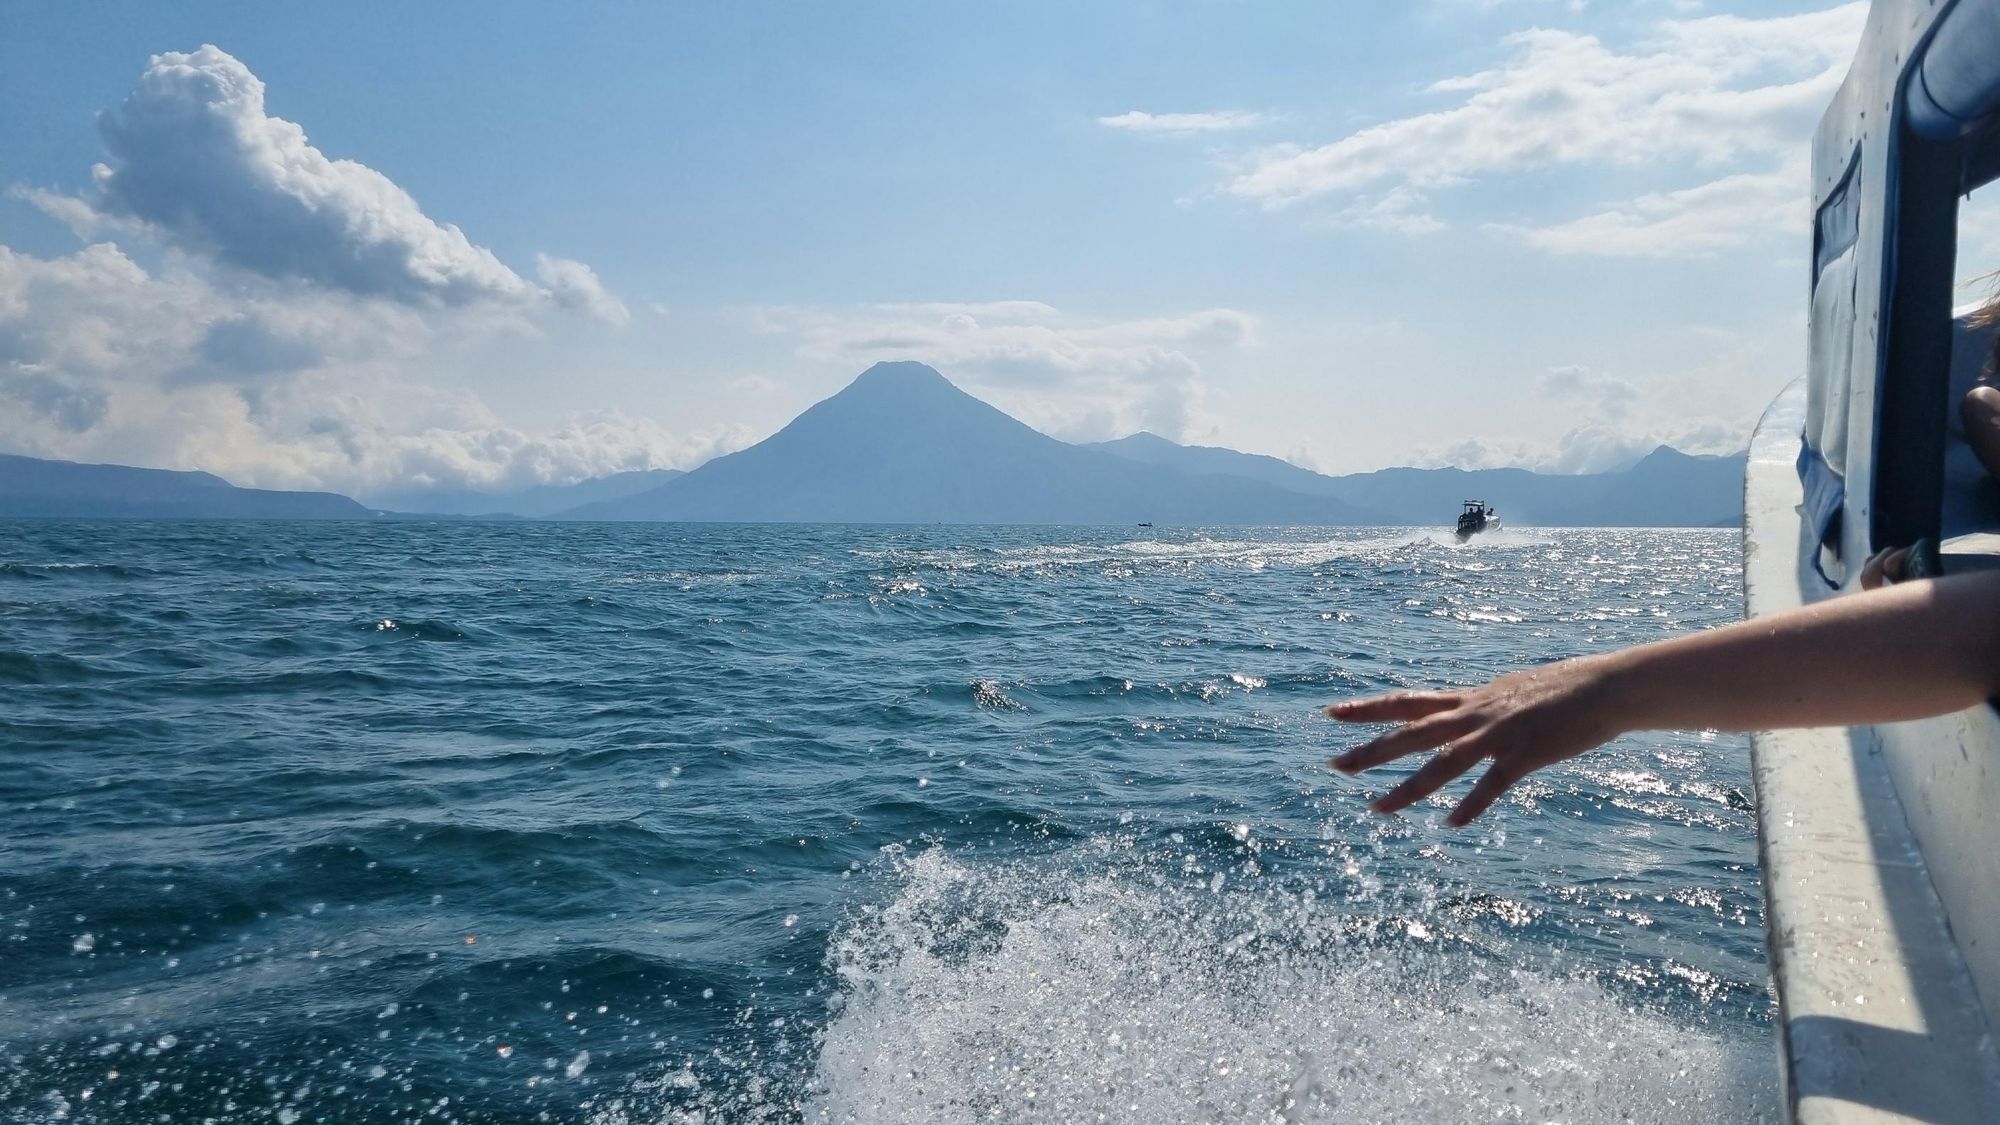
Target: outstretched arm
x,y
1916,649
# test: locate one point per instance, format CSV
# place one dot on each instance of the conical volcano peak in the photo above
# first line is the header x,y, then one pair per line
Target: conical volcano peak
x,y
900,375
1664,455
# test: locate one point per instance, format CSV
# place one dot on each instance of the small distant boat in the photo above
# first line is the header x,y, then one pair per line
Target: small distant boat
x,y
1476,517
1145,525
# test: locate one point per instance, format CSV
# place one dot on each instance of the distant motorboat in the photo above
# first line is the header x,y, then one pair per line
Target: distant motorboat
x,y
1476,517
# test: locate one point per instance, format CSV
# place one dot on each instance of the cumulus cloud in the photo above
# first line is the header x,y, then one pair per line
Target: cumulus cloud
x,y
1009,311
1021,347
1402,209
1075,377
574,285
280,333
1603,396
1587,449
411,438
1719,215
1220,121
94,314
1710,89
98,315
1708,92
1621,419
69,406
101,360
263,339
355,435
197,163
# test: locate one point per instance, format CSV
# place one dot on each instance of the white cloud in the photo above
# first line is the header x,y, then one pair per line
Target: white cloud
x,y
1719,215
1010,311
1402,209
1219,121
1709,89
1586,449
1074,377
98,315
94,313
758,387
1604,396
67,405
357,435
197,163
1619,420
282,386
368,443
1020,348
282,338
574,285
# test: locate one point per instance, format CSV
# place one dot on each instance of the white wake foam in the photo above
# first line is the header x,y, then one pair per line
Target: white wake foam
x,y
1295,551
1502,537
1011,993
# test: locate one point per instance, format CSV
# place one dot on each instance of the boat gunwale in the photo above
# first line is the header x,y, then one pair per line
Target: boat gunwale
x,y
1879,1017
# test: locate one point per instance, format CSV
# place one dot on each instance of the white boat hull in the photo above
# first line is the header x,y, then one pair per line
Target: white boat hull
x,y
1881,868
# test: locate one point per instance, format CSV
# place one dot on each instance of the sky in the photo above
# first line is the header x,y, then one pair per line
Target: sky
x,y
369,247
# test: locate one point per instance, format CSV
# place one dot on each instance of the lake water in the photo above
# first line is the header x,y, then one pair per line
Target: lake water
x,y
488,822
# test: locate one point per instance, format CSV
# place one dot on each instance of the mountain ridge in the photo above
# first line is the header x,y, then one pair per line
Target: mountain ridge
x,y
903,444
37,487
1666,487
853,456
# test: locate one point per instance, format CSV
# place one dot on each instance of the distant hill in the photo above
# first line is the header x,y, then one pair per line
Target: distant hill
x,y
30,486
539,500
901,444
1671,488
1666,488
1152,449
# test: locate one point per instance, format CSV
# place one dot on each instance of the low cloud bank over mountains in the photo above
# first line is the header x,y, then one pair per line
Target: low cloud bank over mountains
x,y
902,444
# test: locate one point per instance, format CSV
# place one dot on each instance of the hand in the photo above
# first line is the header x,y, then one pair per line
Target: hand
x,y
1884,567
1523,721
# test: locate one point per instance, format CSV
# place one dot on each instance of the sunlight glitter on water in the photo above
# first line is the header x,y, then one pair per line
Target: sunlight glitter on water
x,y
659,823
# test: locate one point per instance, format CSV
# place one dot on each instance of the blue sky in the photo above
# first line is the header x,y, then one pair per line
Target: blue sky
x,y
1478,231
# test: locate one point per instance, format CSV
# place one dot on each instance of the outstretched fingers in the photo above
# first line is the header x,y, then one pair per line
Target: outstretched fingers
x,y
1423,734
1396,707
1498,778
1445,766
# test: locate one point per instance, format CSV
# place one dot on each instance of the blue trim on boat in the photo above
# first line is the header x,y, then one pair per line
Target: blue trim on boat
x,y
1956,86
1838,225
1825,496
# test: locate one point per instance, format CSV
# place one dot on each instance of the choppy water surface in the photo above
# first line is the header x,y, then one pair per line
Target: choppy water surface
x,y
521,823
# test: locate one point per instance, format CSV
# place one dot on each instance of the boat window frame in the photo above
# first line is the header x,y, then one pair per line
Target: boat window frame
x,y
1913,372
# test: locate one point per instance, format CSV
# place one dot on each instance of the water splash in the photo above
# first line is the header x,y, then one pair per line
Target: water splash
x,y
1026,992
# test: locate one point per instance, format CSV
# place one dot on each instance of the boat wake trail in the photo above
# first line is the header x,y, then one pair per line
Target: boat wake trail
x,y
1012,993
1503,537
